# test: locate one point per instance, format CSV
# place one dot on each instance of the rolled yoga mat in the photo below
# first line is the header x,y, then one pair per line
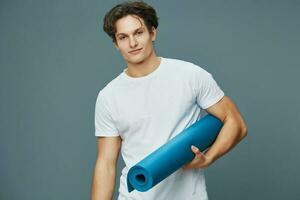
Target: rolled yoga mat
x,y
174,154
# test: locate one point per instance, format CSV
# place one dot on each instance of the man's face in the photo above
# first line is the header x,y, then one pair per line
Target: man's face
x,y
133,39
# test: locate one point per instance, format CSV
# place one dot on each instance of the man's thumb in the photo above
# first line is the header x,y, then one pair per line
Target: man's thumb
x,y
195,149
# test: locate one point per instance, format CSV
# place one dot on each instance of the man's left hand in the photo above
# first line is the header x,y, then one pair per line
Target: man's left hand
x,y
200,160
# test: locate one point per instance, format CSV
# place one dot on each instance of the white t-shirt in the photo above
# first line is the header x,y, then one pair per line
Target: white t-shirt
x,y
148,111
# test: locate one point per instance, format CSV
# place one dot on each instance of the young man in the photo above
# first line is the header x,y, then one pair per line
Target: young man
x,y
149,103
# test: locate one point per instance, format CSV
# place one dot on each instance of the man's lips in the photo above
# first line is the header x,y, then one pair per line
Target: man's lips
x,y
135,51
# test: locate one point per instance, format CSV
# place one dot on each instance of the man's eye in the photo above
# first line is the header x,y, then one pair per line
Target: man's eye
x,y
121,38
139,33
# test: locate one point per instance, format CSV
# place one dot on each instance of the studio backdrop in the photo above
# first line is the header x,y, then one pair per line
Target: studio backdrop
x,y
55,58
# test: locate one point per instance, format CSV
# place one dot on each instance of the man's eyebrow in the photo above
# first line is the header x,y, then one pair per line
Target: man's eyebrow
x,y
140,28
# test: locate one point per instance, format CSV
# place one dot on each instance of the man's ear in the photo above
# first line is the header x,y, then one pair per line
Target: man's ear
x,y
153,34
116,45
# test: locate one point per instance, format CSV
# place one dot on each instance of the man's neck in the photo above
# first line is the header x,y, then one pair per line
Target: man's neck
x,y
143,68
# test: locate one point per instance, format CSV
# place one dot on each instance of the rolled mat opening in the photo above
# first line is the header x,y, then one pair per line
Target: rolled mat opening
x,y
141,179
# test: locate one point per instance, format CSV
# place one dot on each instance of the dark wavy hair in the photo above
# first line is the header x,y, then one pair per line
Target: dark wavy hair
x,y
137,8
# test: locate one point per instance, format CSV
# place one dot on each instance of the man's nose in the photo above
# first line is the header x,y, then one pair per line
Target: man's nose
x,y
133,42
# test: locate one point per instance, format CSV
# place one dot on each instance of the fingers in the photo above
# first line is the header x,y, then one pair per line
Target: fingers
x,y
195,150
198,157
192,165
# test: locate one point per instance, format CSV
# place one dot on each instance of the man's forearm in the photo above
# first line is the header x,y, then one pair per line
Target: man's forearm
x,y
230,134
103,183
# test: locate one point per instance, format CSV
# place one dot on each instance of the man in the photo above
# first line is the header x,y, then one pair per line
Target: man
x,y
149,103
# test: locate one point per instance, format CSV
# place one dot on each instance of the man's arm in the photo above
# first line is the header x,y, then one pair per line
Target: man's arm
x,y
233,131
103,183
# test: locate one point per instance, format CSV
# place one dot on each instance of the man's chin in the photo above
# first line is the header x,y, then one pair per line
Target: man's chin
x,y
136,60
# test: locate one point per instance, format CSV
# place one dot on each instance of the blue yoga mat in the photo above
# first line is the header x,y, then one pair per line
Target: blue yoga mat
x,y
173,155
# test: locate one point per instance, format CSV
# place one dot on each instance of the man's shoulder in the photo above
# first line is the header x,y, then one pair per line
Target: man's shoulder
x,y
178,62
183,66
110,87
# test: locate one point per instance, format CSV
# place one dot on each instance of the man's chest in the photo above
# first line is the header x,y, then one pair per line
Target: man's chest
x,y
136,107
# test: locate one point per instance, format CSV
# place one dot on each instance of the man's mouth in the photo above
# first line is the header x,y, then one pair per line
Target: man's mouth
x,y
135,51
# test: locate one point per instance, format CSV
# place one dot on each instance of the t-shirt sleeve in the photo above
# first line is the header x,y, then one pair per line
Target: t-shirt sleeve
x,y
207,90
104,124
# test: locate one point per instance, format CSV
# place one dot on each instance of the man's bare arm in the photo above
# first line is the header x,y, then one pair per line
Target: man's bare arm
x,y
103,183
232,132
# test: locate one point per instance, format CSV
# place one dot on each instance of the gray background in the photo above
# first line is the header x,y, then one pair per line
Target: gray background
x,y
54,59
